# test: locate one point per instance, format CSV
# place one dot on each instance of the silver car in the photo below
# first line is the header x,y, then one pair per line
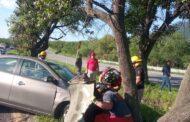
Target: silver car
x,y
34,86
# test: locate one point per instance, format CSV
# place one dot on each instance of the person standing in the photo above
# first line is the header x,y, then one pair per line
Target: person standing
x,y
166,70
139,73
78,62
92,67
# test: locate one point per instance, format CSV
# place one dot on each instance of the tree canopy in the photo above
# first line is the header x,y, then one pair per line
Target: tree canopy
x,y
150,19
34,21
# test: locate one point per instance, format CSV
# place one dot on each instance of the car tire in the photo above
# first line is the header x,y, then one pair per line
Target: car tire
x,y
64,112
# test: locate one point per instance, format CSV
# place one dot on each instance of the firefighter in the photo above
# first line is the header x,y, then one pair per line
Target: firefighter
x,y
139,73
114,106
42,55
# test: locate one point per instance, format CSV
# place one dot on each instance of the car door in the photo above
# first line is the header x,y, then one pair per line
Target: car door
x,y
30,89
7,67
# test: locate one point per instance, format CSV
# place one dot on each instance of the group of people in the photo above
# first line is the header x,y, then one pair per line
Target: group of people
x,y
92,65
108,103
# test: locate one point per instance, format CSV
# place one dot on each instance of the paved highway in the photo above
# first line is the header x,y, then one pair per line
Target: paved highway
x,y
154,76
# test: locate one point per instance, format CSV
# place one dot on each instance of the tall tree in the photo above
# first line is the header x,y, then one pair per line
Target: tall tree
x,y
35,20
112,13
150,19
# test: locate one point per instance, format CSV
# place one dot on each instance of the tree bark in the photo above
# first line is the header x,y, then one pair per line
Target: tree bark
x,y
127,74
115,19
180,110
145,68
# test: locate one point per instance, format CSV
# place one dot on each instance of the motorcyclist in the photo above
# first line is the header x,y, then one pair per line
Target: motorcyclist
x,y
112,107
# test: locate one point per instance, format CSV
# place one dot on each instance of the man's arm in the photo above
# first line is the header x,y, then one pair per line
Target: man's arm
x,y
138,80
104,105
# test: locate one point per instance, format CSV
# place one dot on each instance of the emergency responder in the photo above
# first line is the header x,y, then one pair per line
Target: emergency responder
x,y
116,87
42,55
111,101
139,73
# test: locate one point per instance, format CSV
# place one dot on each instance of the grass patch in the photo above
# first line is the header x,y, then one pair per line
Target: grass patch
x,y
12,52
155,102
46,119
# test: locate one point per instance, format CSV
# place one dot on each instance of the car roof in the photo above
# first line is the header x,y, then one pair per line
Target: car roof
x,y
20,57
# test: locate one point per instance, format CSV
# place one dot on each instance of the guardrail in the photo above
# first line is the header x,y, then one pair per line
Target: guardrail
x,y
173,70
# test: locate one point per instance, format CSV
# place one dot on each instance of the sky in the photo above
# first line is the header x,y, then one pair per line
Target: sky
x,y
7,7
6,10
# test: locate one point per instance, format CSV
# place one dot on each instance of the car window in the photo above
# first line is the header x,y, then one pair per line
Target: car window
x,y
62,71
8,64
34,70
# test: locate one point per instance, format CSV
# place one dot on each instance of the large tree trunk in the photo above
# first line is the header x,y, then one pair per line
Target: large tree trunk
x,y
180,111
144,58
34,52
127,73
144,53
115,19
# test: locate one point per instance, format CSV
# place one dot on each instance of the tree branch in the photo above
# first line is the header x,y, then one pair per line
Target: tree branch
x,y
168,7
152,40
56,38
94,12
103,7
151,10
61,31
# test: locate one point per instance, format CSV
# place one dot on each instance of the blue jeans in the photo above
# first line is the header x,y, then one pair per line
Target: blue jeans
x,y
165,80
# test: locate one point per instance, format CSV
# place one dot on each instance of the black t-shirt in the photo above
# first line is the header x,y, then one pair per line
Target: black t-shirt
x,y
140,72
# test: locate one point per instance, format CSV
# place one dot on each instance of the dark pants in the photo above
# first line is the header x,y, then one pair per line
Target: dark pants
x,y
78,65
165,81
91,112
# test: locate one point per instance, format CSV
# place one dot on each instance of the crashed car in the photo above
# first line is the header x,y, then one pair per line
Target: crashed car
x,y
34,86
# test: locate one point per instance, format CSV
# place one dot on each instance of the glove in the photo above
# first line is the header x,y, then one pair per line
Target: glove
x,y
93,99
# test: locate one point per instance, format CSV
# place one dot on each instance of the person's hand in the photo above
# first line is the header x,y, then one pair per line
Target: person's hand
x,y
93,99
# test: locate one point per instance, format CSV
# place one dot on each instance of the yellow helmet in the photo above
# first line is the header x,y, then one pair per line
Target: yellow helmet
x,y
135,59
42,53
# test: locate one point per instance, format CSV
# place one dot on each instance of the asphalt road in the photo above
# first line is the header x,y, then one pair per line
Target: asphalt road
x,y
154,76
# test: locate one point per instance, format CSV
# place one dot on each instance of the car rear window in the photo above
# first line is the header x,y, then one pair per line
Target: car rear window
x,y
8,64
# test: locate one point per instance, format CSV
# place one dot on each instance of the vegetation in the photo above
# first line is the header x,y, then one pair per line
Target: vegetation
x,y
150,20
33,22
105,48
174,47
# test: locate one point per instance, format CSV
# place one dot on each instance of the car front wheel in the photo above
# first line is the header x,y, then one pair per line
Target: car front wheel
x,y
64,112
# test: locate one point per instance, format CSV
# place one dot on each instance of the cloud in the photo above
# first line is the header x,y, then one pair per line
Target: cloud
x,y
10,4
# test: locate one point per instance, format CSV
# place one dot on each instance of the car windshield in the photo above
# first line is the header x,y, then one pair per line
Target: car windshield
x,y
62,71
